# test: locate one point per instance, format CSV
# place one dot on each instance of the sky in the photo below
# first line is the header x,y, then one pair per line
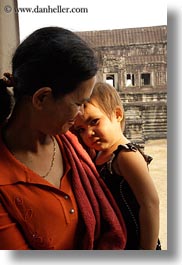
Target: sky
x,y
100,15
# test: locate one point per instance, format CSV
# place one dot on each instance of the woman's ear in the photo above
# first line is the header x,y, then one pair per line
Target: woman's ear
x,y
41,96
119,113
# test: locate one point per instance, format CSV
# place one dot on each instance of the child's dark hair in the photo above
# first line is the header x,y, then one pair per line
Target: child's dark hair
x,y
52,57
107,98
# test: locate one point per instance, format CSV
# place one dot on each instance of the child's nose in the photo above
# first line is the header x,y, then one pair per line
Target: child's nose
x,y
90,132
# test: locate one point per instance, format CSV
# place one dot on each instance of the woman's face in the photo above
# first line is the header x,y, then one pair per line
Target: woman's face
x,y
59,114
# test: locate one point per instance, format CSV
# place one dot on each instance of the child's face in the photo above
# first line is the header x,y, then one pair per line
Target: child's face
x,y
96,129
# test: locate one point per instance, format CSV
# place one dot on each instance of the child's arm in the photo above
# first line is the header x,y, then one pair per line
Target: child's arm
x,y
132,166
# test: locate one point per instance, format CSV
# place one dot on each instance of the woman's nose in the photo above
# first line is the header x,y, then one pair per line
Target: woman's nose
x,y
81,109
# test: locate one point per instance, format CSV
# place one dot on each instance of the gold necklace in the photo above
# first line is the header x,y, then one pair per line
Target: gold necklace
x,y
53,158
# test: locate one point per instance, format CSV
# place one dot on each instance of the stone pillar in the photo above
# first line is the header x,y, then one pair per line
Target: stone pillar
x,y
9,33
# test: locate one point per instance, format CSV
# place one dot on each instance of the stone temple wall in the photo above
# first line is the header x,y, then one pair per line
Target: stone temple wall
x,y
134,61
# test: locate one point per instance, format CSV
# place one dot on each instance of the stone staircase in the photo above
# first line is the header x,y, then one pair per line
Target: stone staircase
x,y
146,115
155,121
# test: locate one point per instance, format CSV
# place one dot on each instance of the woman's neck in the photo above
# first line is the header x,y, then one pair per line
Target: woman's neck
x,y
19,132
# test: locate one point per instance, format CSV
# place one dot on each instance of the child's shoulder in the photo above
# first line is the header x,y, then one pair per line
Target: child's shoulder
x,y
132,147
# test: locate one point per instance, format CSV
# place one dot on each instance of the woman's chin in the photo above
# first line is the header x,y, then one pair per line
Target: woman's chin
x,y
66,127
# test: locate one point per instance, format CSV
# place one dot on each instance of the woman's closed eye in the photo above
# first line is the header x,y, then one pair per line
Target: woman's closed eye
x,y
79,104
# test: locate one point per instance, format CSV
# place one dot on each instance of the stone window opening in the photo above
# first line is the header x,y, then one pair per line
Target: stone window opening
x,y
145,79
110,79
130,80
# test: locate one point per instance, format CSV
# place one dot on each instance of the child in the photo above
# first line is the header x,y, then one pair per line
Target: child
x,y
122,166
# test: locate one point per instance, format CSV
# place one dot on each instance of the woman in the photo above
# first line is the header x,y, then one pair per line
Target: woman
x,y
51,196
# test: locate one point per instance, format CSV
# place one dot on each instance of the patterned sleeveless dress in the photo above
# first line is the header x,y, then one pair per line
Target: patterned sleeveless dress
x,y
124,196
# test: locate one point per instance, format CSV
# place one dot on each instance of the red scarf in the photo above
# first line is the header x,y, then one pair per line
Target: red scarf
x,y
105,228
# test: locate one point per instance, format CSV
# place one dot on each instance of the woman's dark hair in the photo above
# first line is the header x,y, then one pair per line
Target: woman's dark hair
x,y
53,57
5,102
